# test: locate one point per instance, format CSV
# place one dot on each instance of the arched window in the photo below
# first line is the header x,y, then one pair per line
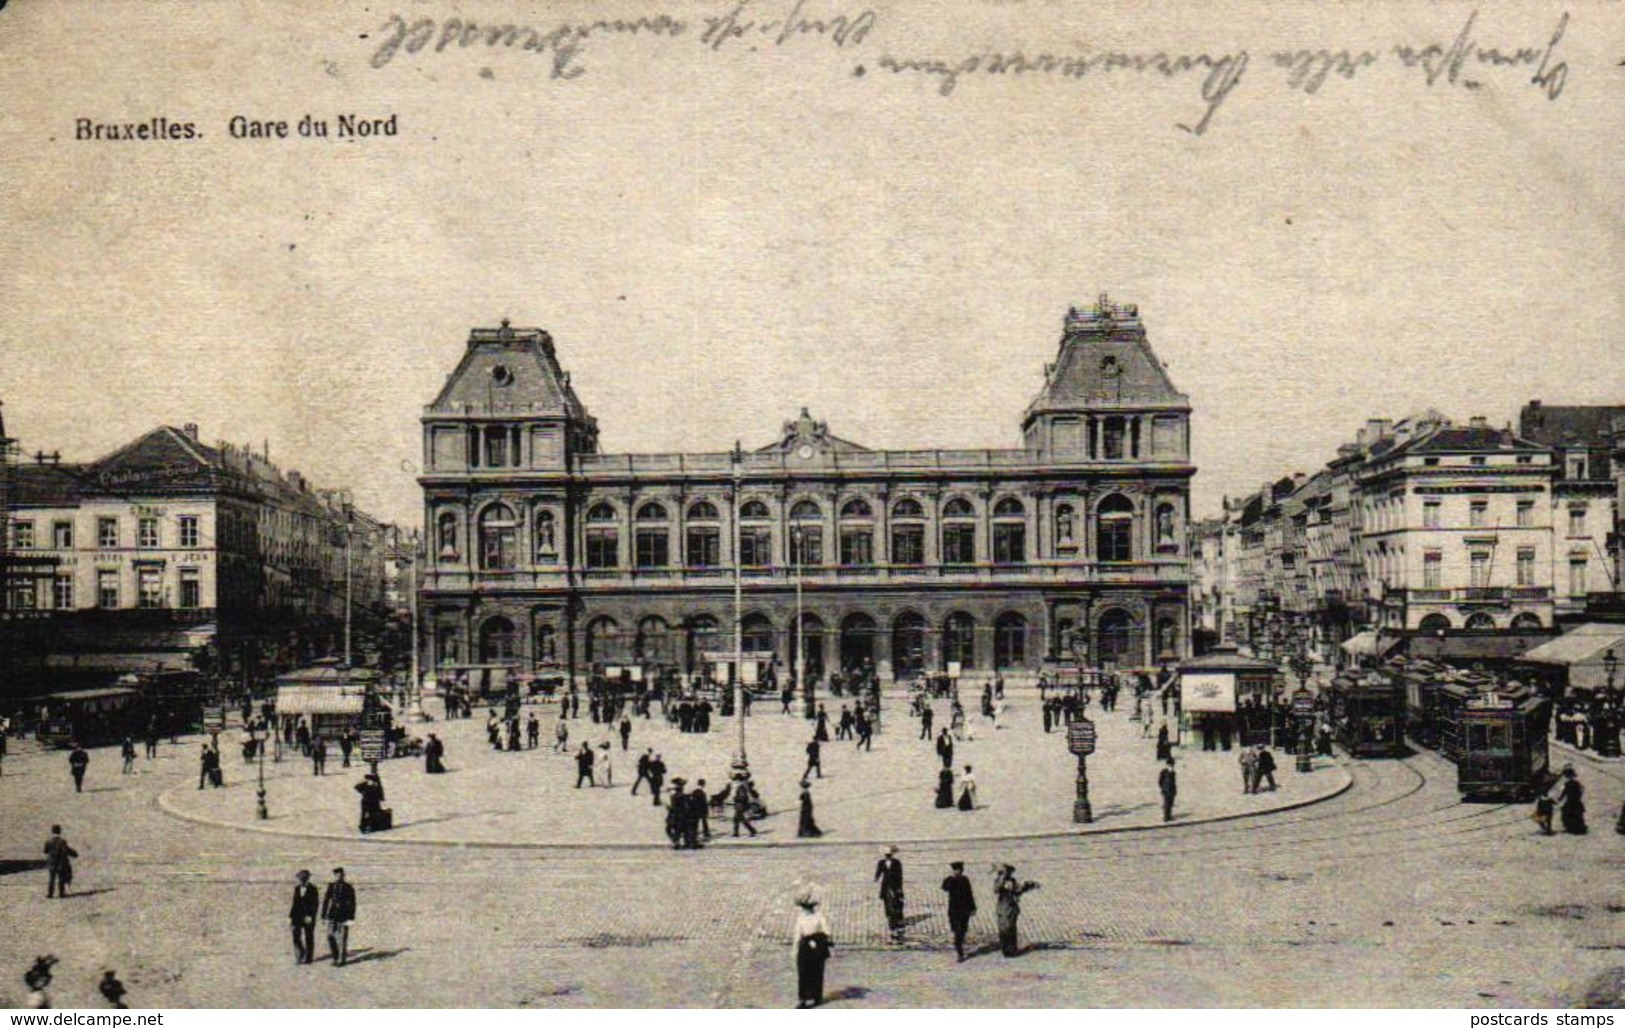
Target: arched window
x,y
958,532
907,508
703,539
1065,528
702,510
496,640
652,541
546,536
446,532
806,534
1009,532
704,636
959,640
499,531
603,640
755,538
908,645
1435,623
857,534
1480,621
753,510
1526,621
653,643
756,633
1009,641
856,508
1114,529
1116,645
603,538
907,533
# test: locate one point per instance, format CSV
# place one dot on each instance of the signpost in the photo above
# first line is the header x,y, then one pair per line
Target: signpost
x,y
1080,739
372,745
1303,712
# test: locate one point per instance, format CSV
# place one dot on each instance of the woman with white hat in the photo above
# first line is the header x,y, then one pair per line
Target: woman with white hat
x,y
812,945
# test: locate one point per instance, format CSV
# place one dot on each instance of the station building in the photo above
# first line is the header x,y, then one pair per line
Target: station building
x,y
546,552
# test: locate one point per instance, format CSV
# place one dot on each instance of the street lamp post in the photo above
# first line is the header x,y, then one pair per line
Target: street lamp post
x,y
741,765
261,812
1080,738
809,701
1608,734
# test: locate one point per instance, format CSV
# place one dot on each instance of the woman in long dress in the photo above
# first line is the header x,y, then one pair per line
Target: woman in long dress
x,y
1007,913
812,944
808,828
945,789
1571,804
967,790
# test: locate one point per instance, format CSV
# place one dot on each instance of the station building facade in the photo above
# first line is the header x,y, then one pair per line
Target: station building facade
x,y
545,552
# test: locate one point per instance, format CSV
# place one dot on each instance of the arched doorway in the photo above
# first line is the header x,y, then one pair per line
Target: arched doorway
x,y
1435,623
857,641
813,629
1527,622
1480,622
1115,643
757,633
908,645
603,639
959,640
496,640
1009,641
704,636
653,644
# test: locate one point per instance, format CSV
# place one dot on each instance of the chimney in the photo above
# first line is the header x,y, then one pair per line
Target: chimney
x,y
190,428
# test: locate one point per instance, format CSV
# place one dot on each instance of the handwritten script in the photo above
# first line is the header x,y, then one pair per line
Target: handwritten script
x,y
1463,60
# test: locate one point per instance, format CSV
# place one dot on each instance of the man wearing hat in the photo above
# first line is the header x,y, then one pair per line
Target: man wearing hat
x,y
338,910
302,916
961,904
889,873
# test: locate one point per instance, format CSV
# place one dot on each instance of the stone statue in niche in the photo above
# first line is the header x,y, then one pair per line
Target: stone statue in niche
x,y
1063,527
1165,526
448,537
546,548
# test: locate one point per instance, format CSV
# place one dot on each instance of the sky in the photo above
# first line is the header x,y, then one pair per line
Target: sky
x,y
718,233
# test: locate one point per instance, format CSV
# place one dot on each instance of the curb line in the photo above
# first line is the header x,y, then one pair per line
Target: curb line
x,y
163,803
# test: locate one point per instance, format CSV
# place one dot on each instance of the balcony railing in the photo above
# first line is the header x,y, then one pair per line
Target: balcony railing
x,y
464,580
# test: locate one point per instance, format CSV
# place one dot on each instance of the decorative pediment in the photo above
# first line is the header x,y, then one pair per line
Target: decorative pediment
x,y
805,436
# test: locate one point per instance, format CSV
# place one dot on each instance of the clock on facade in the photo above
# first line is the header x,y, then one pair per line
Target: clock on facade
x,y
805,453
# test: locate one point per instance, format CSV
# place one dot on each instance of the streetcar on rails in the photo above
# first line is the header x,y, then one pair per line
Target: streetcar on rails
x,y
1495,731
90,717
1368,717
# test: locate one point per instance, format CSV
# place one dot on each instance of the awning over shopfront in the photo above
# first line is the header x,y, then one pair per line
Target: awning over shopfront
x,y
311,700
1361,644
1584,652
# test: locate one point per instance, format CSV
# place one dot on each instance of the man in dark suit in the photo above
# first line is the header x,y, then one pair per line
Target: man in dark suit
x,y
58,864
584,762
302,917
1168,785
338,910
961,904
78,760
889,873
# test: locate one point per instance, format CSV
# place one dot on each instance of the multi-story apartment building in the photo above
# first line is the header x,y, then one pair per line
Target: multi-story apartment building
x,y
168,545
1458,530
545,550
1585,498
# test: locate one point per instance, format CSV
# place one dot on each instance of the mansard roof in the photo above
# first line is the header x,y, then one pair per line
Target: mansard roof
x,y
1569,426
511,371
1105,362
1469,439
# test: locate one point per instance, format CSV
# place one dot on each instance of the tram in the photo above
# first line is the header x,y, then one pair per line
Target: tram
x,y
1498,740
1368,717
90,717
